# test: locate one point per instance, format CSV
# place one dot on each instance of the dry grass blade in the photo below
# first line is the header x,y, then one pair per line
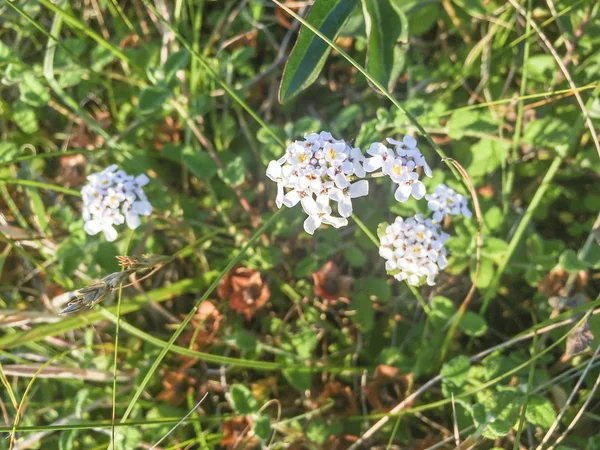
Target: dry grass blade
x,y
30,370
572,395
465,303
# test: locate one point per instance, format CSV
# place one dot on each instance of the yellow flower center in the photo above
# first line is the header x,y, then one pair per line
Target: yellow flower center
x,y
302,157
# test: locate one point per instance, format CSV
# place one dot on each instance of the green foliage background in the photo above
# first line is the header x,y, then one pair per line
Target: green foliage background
x,y
187,91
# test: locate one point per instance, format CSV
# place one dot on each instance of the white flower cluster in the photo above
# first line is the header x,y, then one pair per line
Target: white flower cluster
x,y
413,249
400,166
112,197
314,172
445,200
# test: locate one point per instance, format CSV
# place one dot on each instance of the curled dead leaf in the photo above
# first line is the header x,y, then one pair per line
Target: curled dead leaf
x,y
245,290
344,403
176,386
388,388
235,434
329,284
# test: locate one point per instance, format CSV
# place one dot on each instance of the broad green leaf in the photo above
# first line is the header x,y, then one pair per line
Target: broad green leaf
x,y
242,399
176,61
32,91
387,33
310,52
151,99
233,174
540,412
365,314
262,427
472,324
454,374
571,262
24,117
199,163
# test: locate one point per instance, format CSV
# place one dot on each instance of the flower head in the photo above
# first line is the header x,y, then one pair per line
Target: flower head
x,y
445,200
112,197
316,171
413,249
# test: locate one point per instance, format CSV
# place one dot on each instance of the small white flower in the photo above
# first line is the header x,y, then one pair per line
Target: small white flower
x,y
344,196
445,200
111,198
380,155
414,250
407,149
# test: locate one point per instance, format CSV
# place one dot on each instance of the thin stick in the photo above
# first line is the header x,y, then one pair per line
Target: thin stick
x,y
548,435
183,419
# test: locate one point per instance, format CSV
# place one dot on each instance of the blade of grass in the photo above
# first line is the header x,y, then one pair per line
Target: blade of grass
x,y
213,74
28,388
528,389
38,184
510,176
115,360
399,411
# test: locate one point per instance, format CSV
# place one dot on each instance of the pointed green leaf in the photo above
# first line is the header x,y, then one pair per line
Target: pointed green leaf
x,y
387,32
310,52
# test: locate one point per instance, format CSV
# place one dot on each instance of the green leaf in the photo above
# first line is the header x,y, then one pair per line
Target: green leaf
x,y
387,34
305,342
540,412
242,399
24,117
262,427
570,262
199,163
175,62
486,273
151,99
472,121
455,371
365,314
233,174
355,257
310,52
32,91
472,324
442,309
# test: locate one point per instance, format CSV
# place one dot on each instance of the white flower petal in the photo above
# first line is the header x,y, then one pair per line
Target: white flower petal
x,y
291,199
418,190
345,207
274,171
309,206
142,180
110,233
311,224
133,220
402,194
92,227
359,189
